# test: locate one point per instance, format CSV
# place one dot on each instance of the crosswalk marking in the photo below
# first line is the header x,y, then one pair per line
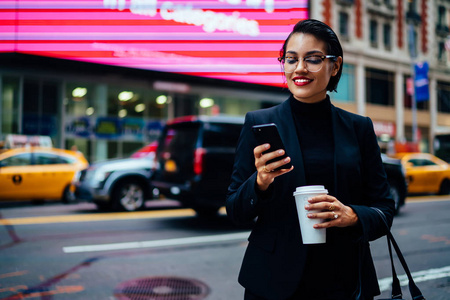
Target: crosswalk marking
x,y
420,276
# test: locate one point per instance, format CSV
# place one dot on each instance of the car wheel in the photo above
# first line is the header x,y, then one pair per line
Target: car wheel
x,y
68,196
445,187
128,195
396,196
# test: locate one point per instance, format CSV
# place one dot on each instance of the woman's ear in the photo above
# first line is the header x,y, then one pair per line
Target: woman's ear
x,y
337,65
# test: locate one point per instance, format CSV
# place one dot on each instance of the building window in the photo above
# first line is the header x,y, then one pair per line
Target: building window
x,y
41,108
442,29
412,5
412,41
80,100
387,36
346,87
107,121
441,16
412,14
134,102
374,33
9,105
442,52
443,93
380,87
343,25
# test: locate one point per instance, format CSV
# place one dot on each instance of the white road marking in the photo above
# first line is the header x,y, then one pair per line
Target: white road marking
x,y
158,243
385,283
420,276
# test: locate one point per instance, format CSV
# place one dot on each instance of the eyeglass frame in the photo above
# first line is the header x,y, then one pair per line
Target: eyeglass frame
x,y
322,57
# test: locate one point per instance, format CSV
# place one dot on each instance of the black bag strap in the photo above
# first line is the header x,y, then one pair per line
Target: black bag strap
x,y
396,292
416,294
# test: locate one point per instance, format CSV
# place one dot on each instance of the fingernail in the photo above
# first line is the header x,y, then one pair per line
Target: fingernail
x,y
310,215
266,146
280,151
307,206
286,159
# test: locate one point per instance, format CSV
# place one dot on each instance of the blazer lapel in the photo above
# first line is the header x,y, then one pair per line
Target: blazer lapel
x,y
344,143
289,136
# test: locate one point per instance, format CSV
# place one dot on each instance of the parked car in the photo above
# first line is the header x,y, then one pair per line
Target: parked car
x,y
39,173
195,157
118,184
426,173
396,177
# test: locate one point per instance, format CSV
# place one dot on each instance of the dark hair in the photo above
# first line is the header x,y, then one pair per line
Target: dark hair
x,y
324,33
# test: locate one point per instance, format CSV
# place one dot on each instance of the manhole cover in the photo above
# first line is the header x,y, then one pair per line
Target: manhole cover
x,y
161,288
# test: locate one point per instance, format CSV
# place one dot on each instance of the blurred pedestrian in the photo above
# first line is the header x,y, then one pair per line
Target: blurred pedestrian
x,y
74,148
326,146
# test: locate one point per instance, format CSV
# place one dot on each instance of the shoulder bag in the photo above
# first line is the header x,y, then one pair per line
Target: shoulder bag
x,y
416,294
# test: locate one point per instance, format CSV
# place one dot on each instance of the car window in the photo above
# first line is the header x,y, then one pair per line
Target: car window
x,y
181,136
221,135
420,162
50,159
23,159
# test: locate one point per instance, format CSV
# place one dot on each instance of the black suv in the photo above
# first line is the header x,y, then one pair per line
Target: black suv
x,y
194,160
195,157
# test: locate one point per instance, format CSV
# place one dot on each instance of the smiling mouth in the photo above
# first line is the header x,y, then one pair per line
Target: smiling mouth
x,y
302,81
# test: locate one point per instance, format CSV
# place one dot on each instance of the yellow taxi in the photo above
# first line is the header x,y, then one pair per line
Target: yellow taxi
x,y
426,173
39,173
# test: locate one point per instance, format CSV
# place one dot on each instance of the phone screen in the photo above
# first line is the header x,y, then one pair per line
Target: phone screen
x,y
268,133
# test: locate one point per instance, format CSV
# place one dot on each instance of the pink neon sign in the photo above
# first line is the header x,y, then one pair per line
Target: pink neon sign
x,y
234,40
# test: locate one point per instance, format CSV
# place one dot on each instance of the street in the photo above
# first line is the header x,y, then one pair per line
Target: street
x,y
55,251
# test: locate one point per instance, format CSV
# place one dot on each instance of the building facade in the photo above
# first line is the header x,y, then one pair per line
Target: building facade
x,y
384,41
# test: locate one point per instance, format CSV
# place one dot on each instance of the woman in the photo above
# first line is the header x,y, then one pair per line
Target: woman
x,y
326,146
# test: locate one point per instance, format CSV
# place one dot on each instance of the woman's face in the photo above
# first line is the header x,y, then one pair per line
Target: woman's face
x,y
308,86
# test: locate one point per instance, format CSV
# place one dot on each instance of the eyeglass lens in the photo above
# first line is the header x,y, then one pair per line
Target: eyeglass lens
x,y
312,63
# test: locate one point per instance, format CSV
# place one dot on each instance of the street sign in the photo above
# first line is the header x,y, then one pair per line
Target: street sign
x,y
421,82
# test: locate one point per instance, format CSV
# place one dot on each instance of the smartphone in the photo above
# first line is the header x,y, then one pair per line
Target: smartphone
x,y
268,133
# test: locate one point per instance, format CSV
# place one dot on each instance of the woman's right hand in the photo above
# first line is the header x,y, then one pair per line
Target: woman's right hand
x,y
266,172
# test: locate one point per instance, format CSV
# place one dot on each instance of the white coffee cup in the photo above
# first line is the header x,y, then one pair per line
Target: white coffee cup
x,y
310,235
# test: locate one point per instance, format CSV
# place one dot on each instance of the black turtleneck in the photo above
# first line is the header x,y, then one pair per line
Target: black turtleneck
x,y
315,134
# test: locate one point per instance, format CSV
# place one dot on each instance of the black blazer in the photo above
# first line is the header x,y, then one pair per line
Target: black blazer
x,y
275,256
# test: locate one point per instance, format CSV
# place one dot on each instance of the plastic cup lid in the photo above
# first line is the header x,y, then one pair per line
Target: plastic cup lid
x,y
311,189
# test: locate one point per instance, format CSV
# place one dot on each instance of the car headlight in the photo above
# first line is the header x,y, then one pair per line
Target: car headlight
x,y
100,178
76,177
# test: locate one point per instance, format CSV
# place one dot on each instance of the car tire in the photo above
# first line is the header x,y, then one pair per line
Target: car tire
x,y
395,192
68,196
445,187
128,195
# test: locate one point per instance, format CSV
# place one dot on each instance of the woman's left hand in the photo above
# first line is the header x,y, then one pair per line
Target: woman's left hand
x,y
331,209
